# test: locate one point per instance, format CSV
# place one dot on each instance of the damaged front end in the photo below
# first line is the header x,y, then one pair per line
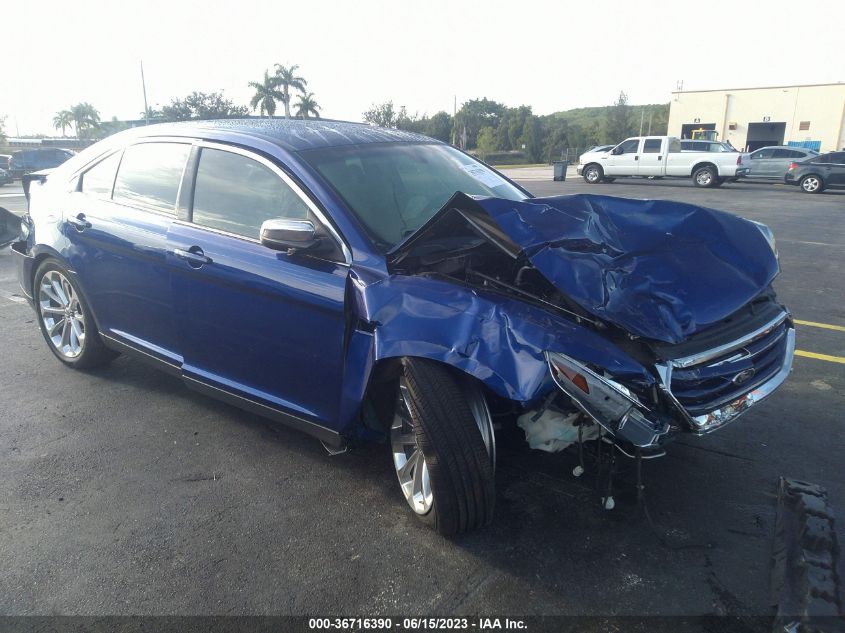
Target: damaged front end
x,y
650,318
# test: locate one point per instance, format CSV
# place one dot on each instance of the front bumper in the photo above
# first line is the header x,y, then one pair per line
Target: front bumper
x,y
579,169
789,179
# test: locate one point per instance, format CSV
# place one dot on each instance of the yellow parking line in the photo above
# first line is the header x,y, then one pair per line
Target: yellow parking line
x,y
827,357
825,326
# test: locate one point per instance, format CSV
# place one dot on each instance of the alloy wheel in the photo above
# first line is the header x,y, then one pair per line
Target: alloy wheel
x,y
408,459
810,184
704,178
61,313
593,174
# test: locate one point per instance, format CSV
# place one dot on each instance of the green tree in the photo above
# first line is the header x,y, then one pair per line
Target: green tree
x,y
532,138
202,105
486,142
63,120
439,126
152,114
475,114
86,119
307,105
382,115
286,78
618,120
266,94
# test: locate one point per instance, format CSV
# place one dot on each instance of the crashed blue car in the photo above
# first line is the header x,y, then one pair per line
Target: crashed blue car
x,y
360,284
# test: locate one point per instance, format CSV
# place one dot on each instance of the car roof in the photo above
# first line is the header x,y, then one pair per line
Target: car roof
x,y
292,134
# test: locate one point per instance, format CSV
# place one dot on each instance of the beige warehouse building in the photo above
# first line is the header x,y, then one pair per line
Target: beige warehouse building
x,y
811,115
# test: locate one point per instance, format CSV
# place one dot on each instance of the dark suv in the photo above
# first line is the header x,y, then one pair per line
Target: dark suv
x,y
29,160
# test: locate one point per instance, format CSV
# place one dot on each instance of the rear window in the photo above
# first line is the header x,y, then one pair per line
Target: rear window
x,y
651,146
150,174
99,180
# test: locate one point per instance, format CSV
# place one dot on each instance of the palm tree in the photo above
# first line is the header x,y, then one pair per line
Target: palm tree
x,y
286,79
307,105
151,114
85,118
63,120
265,95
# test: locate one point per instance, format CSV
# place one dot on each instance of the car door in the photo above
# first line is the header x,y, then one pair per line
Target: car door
x,y
117,223
253,322
623,159
836,167
651,162
763,164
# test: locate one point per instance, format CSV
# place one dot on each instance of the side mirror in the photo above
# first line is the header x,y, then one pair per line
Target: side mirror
x,y
282,234
616,151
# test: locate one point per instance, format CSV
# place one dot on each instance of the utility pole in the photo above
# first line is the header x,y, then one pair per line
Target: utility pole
x,y
144,86
650,112
642,118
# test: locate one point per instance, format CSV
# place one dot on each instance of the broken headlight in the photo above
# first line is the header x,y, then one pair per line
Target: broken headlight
x,y
770,237
607,402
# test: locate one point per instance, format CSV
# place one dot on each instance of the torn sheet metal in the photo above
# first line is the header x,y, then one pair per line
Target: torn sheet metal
x,y
498,339
658,269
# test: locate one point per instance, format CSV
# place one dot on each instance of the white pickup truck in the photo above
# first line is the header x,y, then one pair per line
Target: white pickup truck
x,y
658,157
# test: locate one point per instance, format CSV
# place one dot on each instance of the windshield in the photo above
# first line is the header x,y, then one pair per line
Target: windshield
x,y
394,188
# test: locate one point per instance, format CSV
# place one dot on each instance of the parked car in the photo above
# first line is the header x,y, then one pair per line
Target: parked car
x,y
28,160
658,157
362,283
688,145
4,161
816,174
771,163
5,177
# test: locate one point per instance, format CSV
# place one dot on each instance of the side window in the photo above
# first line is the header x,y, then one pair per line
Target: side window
x,y
236,194
824,158
762,154
630,146
838,158
686,145
99,180
651,146
150,174
674,145
785,153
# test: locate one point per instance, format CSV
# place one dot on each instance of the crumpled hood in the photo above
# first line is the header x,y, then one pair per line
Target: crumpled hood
x,y
658,269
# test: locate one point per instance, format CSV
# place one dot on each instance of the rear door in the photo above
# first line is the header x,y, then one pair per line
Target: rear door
x,y
117,225
626,161
256,323
652,157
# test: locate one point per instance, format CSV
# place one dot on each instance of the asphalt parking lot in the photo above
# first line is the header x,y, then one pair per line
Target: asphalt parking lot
x,y
121,492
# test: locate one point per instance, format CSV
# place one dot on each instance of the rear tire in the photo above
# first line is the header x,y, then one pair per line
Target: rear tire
x,y
437,433
811,184
705,177
593,174
65,319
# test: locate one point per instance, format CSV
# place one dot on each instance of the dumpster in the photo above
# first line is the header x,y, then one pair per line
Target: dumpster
x,y
560,169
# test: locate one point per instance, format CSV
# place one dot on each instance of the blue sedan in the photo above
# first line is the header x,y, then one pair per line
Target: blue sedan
x,y
361,284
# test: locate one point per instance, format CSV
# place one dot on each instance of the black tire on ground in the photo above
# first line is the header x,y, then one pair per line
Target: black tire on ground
x,y
608,180
705,177
593,174
93,353
719,182
811,184
460,469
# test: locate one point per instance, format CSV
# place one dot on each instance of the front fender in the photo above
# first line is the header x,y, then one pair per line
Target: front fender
x,y
498,340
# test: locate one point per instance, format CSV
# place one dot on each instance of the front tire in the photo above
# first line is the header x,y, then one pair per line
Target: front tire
x,y
65,318
443,448
811,184
705,177
593,174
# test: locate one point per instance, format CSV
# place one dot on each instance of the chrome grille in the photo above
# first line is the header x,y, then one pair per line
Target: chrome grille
x,y
705,386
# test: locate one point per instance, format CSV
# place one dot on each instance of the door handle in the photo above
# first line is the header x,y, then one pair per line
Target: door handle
x,y
79,222
636,158
194,256
659,158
